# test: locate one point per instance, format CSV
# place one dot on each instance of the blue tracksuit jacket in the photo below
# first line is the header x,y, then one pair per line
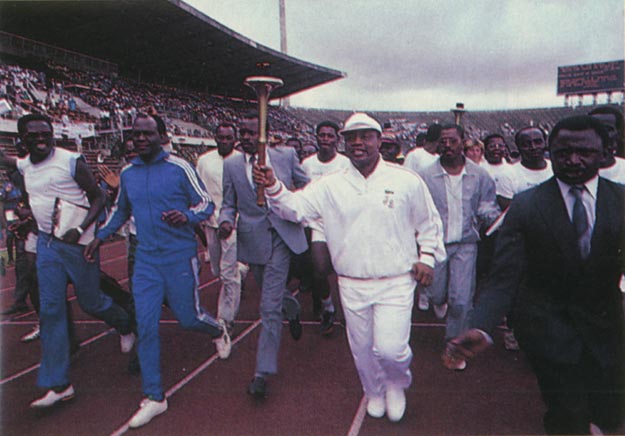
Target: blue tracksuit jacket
x,y
147,190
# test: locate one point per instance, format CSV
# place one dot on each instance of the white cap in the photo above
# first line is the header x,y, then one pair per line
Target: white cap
x,y
360,121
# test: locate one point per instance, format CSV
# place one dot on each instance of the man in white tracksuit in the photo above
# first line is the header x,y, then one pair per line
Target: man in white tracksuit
x,y
384,235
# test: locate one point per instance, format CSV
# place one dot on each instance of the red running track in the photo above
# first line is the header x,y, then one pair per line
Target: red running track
x,y
317,391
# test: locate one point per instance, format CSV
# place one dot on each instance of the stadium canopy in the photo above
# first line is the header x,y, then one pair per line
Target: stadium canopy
x,y
161,41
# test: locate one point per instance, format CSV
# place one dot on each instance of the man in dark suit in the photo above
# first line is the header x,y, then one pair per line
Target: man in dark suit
x,y
264,241
558,262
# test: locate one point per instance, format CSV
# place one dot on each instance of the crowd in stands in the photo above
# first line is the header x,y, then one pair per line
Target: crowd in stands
x,y
111,103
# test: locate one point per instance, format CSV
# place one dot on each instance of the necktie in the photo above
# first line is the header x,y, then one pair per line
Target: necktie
x,y
252,162
580,221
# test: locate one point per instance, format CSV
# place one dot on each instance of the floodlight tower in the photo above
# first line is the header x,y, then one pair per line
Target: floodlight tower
x,y
458,112
285,101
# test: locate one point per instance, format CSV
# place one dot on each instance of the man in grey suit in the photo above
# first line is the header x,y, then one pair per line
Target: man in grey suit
x,y
558,262
265,242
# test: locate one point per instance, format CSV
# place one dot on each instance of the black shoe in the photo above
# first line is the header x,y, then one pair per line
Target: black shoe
x,y
133,366
15,309
258,388
295,327
327,323
317,307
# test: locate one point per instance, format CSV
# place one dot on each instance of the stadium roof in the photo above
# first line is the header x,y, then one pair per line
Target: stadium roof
x,y
161,41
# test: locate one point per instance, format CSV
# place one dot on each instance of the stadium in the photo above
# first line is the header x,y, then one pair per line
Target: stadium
x,y
168,58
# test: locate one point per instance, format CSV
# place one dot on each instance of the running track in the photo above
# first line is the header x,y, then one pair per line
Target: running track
x,y
317,391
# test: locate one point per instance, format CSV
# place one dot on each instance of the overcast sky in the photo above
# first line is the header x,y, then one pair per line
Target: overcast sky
x,y
430,54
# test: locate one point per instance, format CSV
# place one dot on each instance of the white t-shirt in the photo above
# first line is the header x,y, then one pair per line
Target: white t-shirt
x,y
615,173
521,178
497,172
419,159
314,168
48,180
453,187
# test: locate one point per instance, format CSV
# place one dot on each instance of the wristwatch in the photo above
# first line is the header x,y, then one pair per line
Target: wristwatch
x,y
79,230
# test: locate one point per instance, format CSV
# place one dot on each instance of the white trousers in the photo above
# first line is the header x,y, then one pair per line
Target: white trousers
x,y
377,315
224,264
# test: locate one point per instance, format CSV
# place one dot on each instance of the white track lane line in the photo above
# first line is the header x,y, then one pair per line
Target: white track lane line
x,y
197,371
73,297
359,418
34,367
106,262
85,342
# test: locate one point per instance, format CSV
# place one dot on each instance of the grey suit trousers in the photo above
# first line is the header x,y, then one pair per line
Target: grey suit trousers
x,y
272,278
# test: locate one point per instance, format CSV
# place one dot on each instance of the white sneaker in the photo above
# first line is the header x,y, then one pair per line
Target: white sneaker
x,y
223,343
424,301
440,310
376,406
148,409
595,430
32,335
51,397
126,342
395,403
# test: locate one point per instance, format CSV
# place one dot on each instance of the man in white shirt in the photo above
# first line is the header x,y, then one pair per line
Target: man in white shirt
x,y
533,168
371,212
325,161
494,162
464,195
222,252
422,157
53,175
613,166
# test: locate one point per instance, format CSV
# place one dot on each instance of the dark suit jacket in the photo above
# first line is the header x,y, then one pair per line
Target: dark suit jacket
x,y
254,222
560,303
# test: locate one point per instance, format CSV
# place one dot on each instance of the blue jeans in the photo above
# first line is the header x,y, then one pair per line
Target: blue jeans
x,y
155,278
57,263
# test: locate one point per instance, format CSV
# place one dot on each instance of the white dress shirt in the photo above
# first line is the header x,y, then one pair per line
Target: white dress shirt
x,y
372,225
589,198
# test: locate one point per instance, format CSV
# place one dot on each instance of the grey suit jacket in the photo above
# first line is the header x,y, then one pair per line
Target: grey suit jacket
x,y
254,224
560,302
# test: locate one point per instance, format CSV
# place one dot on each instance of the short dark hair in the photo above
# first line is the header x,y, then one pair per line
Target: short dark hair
x,y
253,114
578,123
21,123
328,124
226,125
293,138
492,136
517,136
160,124
434,131
457,127
610,110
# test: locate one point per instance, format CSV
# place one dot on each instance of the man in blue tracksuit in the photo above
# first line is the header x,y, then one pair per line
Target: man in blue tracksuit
x,y
167,199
